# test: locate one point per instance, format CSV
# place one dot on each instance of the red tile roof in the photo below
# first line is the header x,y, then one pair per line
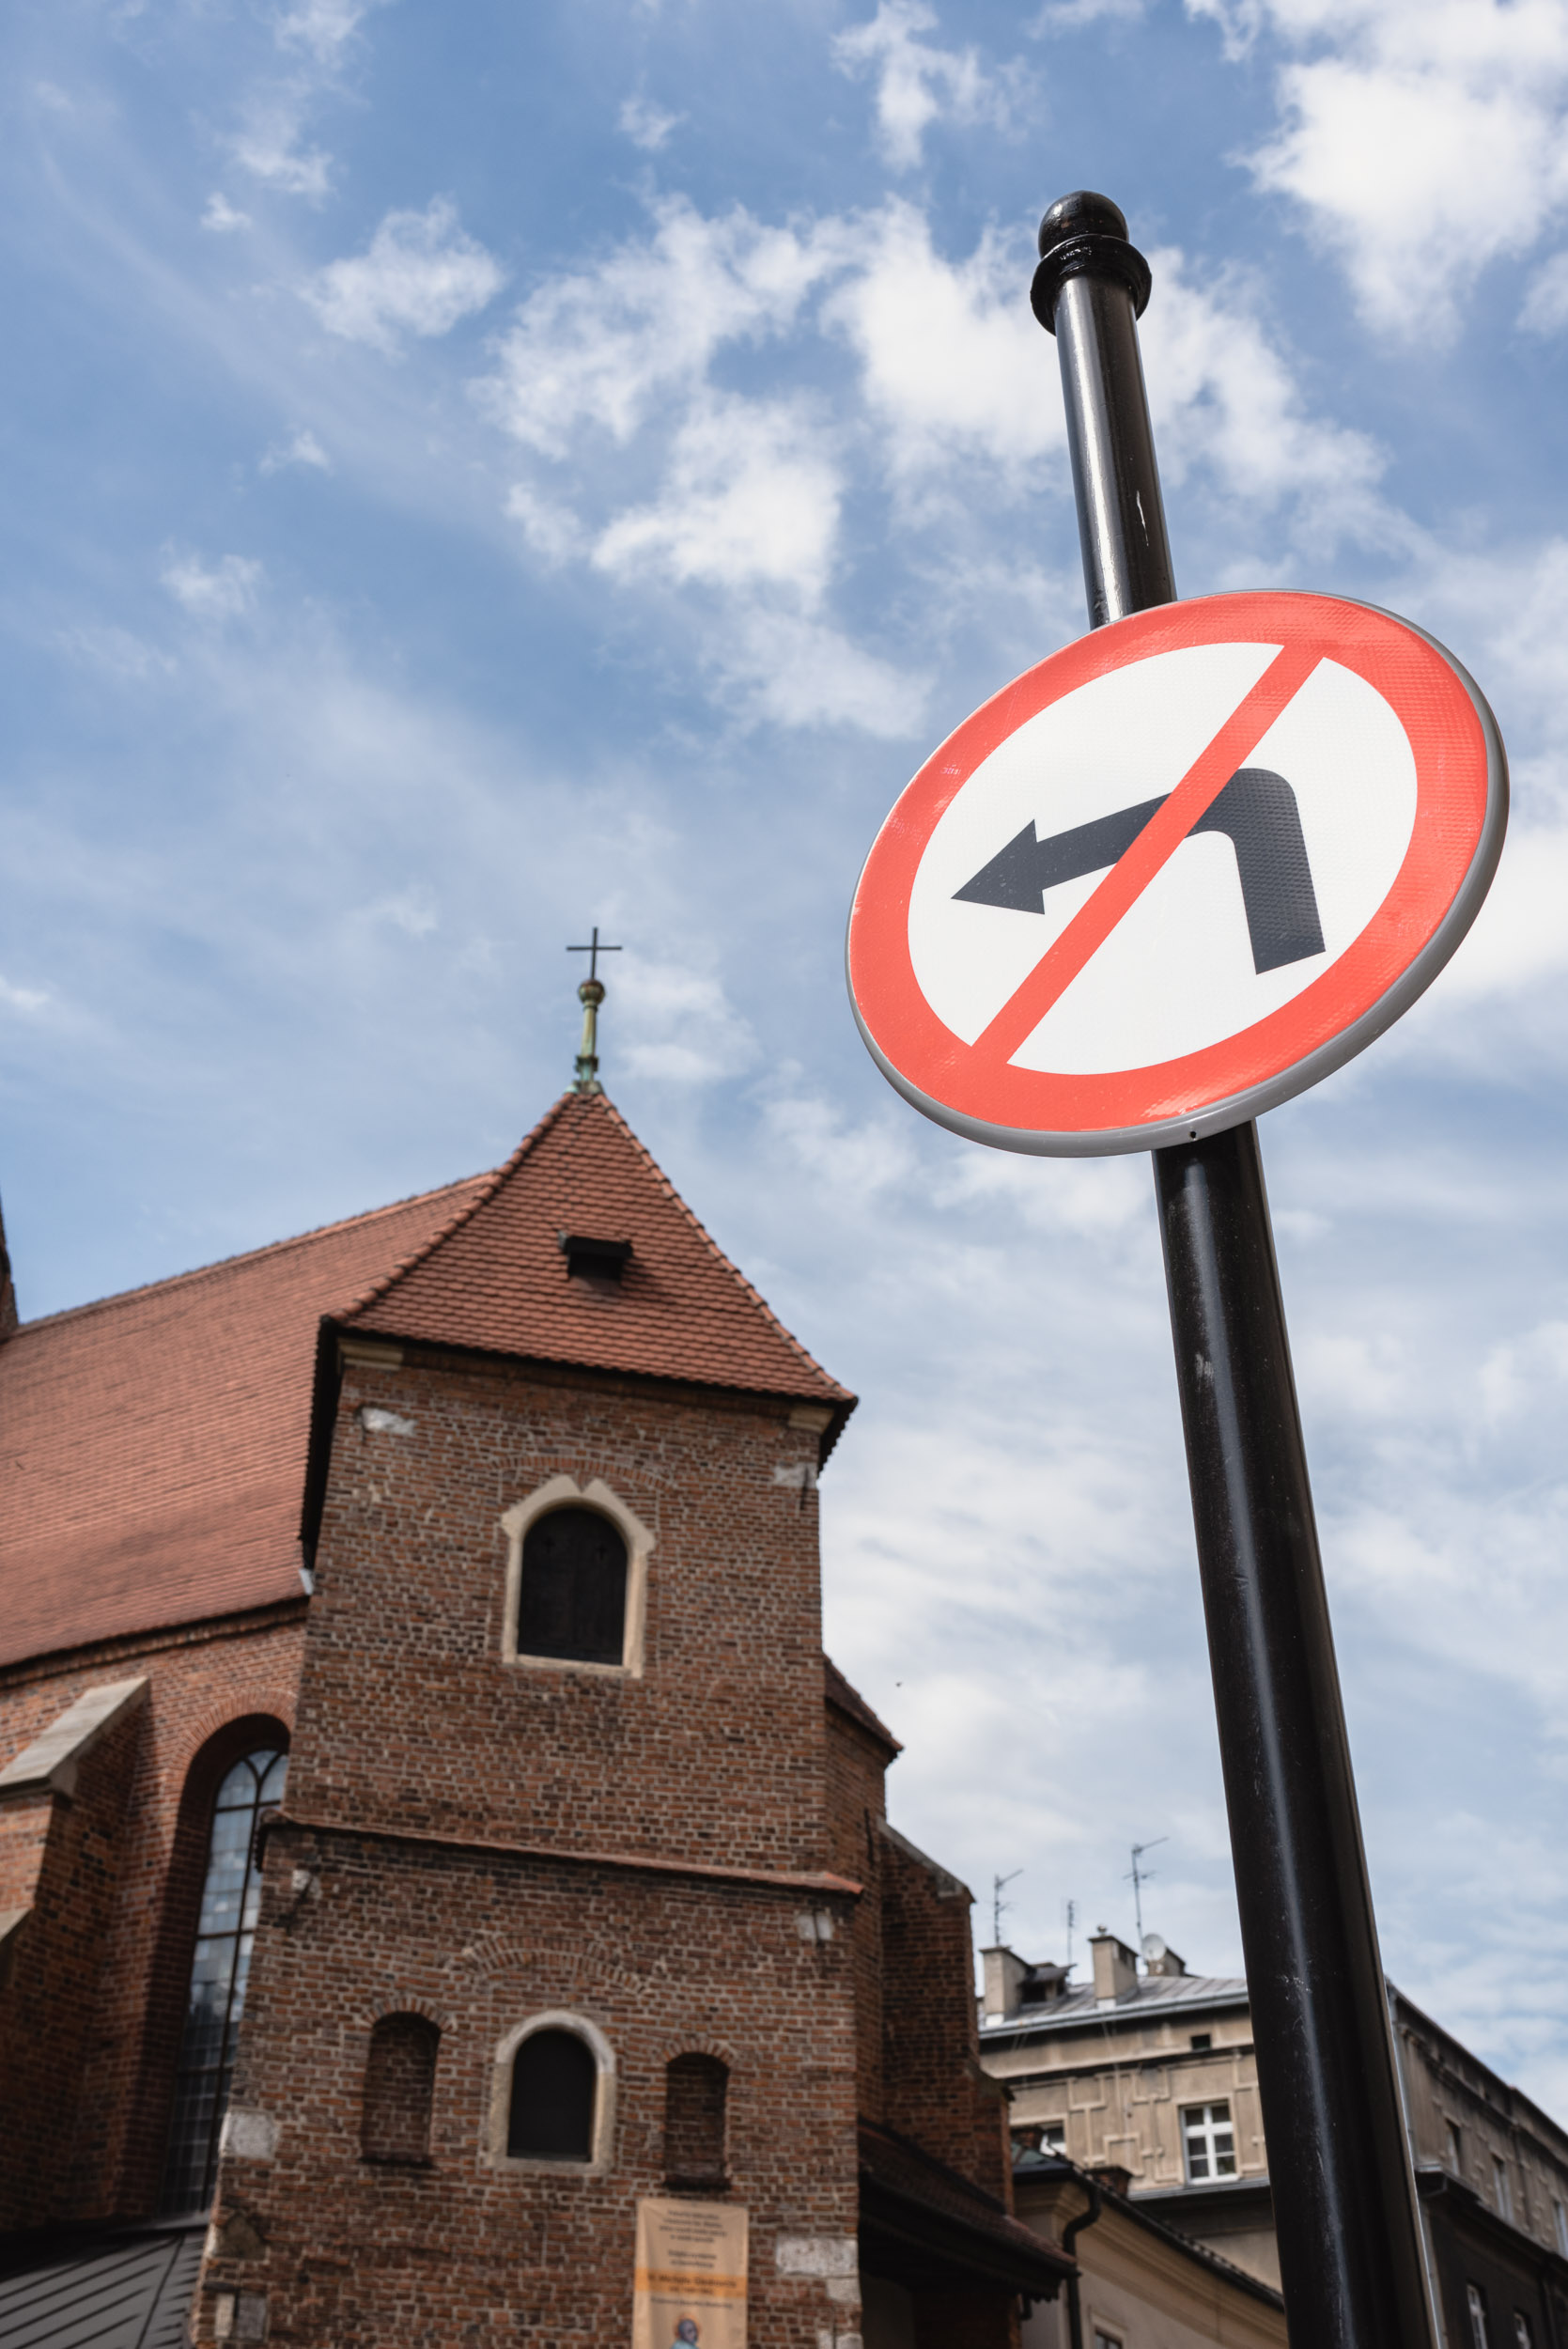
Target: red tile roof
x,y
152,1446
498,1279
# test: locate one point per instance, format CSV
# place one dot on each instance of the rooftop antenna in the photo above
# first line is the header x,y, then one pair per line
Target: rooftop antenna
x,y
590,995
1140,1877
999,1906
1072,1919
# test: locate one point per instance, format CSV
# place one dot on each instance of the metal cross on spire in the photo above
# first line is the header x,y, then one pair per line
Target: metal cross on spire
x,y
590,995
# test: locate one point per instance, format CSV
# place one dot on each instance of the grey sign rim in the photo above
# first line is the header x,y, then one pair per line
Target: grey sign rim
x,y
1253,1100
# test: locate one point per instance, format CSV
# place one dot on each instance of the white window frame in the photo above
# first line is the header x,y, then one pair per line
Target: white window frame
x,y
1559,2220
564,1492
494,2155
1475,2300
1209,2127
1053,2137
1503,2188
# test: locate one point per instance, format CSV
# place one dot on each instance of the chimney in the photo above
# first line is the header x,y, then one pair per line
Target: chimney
x,y
1115,1968
1003,1975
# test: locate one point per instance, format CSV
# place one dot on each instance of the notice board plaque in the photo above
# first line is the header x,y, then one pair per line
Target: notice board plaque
x,y
690,2278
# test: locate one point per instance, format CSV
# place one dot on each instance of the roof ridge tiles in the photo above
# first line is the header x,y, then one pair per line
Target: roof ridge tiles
x,y
485,1191
246,1255
734,1269
495,1301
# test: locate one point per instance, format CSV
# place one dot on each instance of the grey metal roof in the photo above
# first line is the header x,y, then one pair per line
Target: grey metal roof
x,y
105,2291
1155,1995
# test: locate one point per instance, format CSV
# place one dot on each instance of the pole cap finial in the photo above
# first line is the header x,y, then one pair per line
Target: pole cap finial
x,y
1086,235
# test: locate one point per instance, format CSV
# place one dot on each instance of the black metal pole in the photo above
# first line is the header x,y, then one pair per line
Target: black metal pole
x,y
1345,2197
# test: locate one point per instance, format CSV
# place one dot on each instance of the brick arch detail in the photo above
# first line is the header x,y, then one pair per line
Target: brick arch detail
x,y
274,1701
365,2017
721,2049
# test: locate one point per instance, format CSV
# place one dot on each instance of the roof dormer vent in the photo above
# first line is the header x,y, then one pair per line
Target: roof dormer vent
x,y
594,1259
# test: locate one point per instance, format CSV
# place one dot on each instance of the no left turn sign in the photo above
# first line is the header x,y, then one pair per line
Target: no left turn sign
x,y
1176,873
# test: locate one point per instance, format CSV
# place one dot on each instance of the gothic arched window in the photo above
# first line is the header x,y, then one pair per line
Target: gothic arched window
x,y
554,2092
571,1601
696,2089
225,1929
399,2088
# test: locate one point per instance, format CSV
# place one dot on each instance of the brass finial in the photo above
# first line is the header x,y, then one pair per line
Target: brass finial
x,y
590,995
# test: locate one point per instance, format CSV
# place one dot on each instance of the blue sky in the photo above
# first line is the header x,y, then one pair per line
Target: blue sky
x,y
475,473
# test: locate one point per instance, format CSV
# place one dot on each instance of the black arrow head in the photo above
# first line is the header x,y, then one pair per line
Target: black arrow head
x,y
1012,879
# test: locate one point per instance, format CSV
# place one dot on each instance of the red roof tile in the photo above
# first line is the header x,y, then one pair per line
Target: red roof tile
x,y
152,1446
497,1279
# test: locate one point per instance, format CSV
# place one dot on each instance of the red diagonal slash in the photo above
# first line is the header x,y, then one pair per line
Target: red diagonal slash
x,y
1158,841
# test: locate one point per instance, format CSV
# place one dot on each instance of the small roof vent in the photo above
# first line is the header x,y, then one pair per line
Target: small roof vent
x,y
594,1259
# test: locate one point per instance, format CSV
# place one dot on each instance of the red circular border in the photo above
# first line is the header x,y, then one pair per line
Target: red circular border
x,y
1445,734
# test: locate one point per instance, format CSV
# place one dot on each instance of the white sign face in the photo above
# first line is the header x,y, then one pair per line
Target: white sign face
x,y
1121,740
1176,873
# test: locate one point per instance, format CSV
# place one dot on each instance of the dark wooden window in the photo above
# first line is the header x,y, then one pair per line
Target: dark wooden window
x,y
695,2090
554,2090
226,1930
573,1598
399,2088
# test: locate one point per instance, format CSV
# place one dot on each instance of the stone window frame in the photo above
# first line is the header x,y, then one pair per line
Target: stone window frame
x,y
562,1492
495,2155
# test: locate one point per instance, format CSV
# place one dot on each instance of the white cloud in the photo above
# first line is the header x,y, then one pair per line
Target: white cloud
x,y
1223,394
646,124
952,360
1423,138
601,347
916,83
26,1000
268,146
323,28
221,216
680,1026
800,671
304,449
750,499
410,910
116,653
1070,16
1545,307
225,591
422,274
551,530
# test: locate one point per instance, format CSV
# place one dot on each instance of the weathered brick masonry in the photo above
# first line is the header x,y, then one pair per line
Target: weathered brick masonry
x,y
680,1853
94,1997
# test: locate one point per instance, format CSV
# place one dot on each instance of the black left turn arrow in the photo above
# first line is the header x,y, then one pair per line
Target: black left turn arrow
x,y
1257,813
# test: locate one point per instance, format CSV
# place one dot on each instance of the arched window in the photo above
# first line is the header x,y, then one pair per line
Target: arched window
x,y
554,2092
225,1929
697,2088
399,2088
571,1600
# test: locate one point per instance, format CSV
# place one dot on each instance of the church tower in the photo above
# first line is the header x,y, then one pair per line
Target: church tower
x,y
592,1997
551,1924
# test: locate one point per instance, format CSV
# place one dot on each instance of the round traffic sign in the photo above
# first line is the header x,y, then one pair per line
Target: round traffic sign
x,y
1176,873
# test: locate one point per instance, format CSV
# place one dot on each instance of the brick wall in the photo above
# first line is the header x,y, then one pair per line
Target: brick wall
x,y
935,2091
422,1755
411,1717
857,1802
91,2011
350,2251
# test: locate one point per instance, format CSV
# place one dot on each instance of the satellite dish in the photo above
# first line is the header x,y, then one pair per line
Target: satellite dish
x,y
1154,1949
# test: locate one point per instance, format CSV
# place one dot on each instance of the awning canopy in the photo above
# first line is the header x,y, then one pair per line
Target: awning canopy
x,y
924,2226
